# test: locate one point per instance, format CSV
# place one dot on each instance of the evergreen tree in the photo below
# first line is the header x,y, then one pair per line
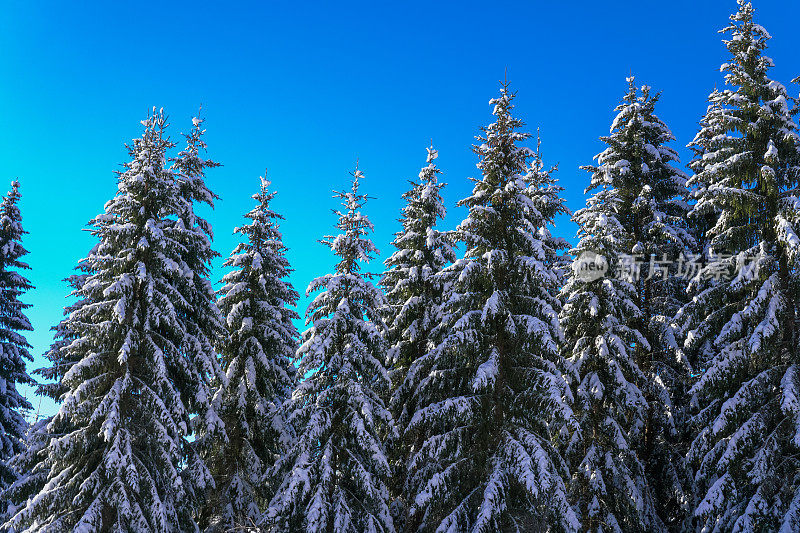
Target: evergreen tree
x,y
201,317
60,356
703,147
32,461
701,220
492,391
13,345
650,205
745,404
334,477
414,294
135,374
31,466
609,489
703,217
257,356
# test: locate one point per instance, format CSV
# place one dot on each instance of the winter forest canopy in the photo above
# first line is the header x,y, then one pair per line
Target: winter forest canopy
x,y
643,377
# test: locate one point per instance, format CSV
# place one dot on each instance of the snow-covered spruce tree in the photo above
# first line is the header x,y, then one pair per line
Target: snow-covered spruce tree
x,y
13,345
30,465
704,149
747,400
32,462
257,356
649,205
202,318
189,168
335,476
652,205
413,299
59,355
609,489
702,218
139,375
492,391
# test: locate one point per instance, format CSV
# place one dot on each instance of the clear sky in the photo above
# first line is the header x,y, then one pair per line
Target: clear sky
x,y
305,88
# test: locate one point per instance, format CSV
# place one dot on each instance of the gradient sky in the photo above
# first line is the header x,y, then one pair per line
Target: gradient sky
x,y
304,89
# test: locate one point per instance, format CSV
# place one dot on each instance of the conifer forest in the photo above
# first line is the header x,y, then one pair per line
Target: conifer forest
x,y
496,377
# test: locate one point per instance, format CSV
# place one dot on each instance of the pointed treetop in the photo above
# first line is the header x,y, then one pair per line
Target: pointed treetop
x,y
264,195
197,121
11,199
197,124
264,182
433,153
632,90
352,201
357,175
502,104
14,188
154,119
747,41
195,140
262,212
351,244
745,15
154,116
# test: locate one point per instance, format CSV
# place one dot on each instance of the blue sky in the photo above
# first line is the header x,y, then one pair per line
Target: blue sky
x,y
304,89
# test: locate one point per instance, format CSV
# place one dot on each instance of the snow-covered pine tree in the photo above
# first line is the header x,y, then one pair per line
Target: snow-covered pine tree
x,y
704,148
59,353
413,299
493,390
703,217
257,356
335,476
189,168
32,462
13,345
202,320
31,466
747,400
129,398
609,489
650,206
701,220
